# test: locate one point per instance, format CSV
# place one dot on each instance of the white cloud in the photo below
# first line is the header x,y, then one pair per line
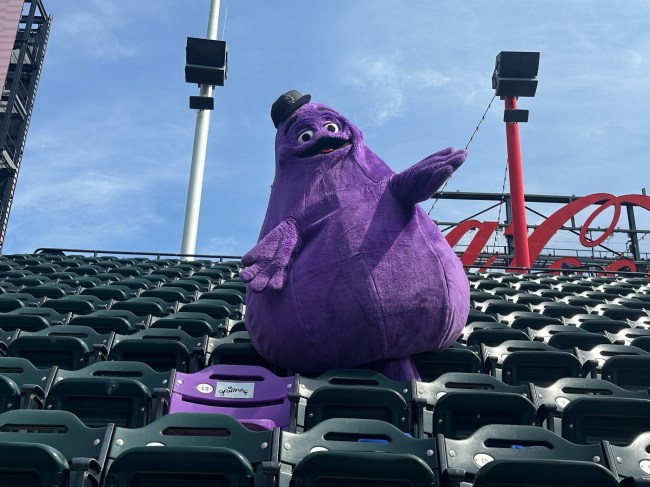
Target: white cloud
x,y
93,29
391,82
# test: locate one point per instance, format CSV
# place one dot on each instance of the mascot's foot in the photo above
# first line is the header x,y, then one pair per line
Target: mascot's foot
x,y
395,369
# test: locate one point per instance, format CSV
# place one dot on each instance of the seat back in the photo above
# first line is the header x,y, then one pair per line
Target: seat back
x,y
618,420
356,452
251,394
199,449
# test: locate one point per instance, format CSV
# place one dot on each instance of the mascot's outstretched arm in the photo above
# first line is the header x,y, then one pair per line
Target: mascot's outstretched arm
x,y
419,182
267,263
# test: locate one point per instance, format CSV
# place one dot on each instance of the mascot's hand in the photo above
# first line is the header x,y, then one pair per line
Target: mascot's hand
x,y
419,182
267,263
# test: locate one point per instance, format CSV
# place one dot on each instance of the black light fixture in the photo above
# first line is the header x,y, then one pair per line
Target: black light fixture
x,y
206,63
515,75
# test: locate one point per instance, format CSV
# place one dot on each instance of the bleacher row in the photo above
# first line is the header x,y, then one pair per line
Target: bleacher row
x,y
102,359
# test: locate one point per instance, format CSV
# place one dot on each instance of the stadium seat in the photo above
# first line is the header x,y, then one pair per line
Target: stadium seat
x,y
76,304
457,404
627,335
68,347
170,294
30,319
110,320
50,448
346,452
591,419
518,362
551,401
461,460
457,358
105,292
194,324
630,463
237,349
12,301
252,395
347,393
500,306
593,360
601,324
129,394
576,338
618,312
544,473
50,290
23,385
475,315
162,349
628,371
216,308
231,296
142,306
493,337
556,309
199,450
522,320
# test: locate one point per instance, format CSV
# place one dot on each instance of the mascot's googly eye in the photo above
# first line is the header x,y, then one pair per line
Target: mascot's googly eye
x,y
305,136
331,127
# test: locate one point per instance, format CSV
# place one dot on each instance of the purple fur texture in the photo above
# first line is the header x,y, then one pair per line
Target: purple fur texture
x,y
349,270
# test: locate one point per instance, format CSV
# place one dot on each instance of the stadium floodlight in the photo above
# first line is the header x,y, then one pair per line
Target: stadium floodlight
x,y
515,75
206,61
206,64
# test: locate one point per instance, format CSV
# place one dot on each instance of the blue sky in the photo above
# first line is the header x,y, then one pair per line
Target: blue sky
x,y
109,148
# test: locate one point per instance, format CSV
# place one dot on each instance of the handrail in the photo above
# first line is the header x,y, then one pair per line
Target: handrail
x,y
158,255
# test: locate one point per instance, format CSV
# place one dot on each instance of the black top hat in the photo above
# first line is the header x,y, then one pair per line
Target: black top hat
x,y
286,104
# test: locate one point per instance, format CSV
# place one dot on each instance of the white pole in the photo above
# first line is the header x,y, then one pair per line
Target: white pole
x,y
198,154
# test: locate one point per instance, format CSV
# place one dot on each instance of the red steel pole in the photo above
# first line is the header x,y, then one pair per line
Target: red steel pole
x,y
522,255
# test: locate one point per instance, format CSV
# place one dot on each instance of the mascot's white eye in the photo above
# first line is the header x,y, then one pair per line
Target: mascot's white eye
x,y
305,136
331,127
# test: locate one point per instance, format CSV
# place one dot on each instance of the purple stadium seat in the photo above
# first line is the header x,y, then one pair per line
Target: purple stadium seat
x,y
253,395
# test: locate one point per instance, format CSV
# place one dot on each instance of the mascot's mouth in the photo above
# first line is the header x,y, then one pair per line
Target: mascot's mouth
x,y
325,145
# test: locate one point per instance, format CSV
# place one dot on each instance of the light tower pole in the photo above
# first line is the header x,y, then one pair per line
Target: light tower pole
x,y
204,57
515,75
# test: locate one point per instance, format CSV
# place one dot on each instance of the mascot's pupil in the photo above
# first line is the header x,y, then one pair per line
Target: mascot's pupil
x,y
305,136
332,127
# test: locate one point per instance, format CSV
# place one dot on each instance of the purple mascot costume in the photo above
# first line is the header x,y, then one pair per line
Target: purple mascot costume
x,y
349,271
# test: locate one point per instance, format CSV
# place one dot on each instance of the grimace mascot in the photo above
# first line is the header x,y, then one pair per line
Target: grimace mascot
x,y
349,271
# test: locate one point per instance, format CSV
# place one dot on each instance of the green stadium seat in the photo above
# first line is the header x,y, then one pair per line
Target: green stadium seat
x,y
552,400
110,320
358,393
456,404
77,304
68,347
170,294
237,349
461,460
146,306
30,319
589,419
544,473
522,320
231,296
107,292
627,371
346,452
190,449
162,349
630,463
50,448
128,394
457,358
517,362
194,324
26,384
593,360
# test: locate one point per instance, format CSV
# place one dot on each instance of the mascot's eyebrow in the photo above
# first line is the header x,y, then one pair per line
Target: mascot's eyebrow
x,y
290,122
